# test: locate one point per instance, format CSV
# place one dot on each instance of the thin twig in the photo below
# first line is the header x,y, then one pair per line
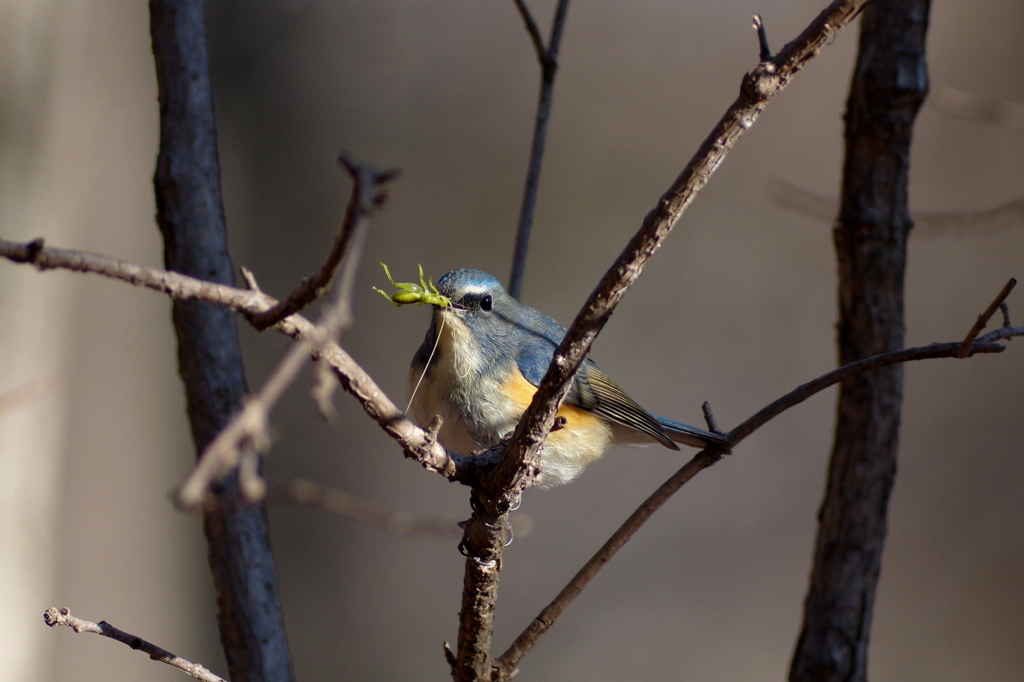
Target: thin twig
x,y
962,104
416,443
709,417
338,315
555,40
548,58
931,224
324,386
762,39
932,351
546,618
532,29
312,287
62,616
247,432
983,319
301,491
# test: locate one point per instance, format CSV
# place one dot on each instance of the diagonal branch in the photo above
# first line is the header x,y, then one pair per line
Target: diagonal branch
x,y
983,319
418,444
757,89
363,201
533,30
62,616
704,459
518,468
247,434
302,492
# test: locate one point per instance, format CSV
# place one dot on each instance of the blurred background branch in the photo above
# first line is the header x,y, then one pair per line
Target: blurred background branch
x,y
190,215
547,56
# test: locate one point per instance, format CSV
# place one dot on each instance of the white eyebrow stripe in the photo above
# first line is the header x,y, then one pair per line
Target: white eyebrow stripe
x,y
474,289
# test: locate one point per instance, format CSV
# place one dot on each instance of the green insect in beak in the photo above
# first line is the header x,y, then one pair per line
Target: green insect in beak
x,y
424,293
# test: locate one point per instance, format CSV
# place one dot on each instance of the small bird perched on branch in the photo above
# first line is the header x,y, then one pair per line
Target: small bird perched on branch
x,y
482,359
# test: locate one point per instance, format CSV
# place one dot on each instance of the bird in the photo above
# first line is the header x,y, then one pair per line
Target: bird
x,y
480,363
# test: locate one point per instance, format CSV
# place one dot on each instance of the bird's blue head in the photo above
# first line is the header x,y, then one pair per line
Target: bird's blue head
x,y
499,325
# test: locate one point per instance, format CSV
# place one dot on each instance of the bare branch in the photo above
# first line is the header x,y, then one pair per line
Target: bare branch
x,y
870,239
929,352
762,39
519,467
709,418
62,616
193,227
366,196
931,224
173,284
532,29
247,432
508,661
555,41
416,443
704,459
983,319
324,387
962,104
548,58
301,491
756,91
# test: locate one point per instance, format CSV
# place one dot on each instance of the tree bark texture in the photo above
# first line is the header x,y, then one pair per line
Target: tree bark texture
x,y
889,85
190,214
483,552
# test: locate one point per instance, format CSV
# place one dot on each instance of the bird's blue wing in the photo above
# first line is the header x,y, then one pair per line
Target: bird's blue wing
x,y
592,391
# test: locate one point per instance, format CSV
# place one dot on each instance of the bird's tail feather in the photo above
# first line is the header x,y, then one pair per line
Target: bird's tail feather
x,y
691,435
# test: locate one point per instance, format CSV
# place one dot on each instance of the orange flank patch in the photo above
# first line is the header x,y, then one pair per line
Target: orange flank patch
x,y
582,440
519,390
577,420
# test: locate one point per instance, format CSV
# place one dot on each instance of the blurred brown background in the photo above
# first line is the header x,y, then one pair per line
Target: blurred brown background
x,y
737,309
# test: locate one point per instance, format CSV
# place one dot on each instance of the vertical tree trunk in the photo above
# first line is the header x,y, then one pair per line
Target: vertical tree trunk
x,y
889,84
190,214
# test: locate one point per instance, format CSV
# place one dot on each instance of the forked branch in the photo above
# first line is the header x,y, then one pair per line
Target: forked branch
x,y
366,197
416,442
704,459
247,436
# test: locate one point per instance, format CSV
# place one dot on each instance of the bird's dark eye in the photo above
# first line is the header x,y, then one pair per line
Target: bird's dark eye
x,y
485,303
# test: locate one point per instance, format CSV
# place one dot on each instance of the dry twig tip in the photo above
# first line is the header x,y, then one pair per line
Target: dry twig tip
x,y
998,302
